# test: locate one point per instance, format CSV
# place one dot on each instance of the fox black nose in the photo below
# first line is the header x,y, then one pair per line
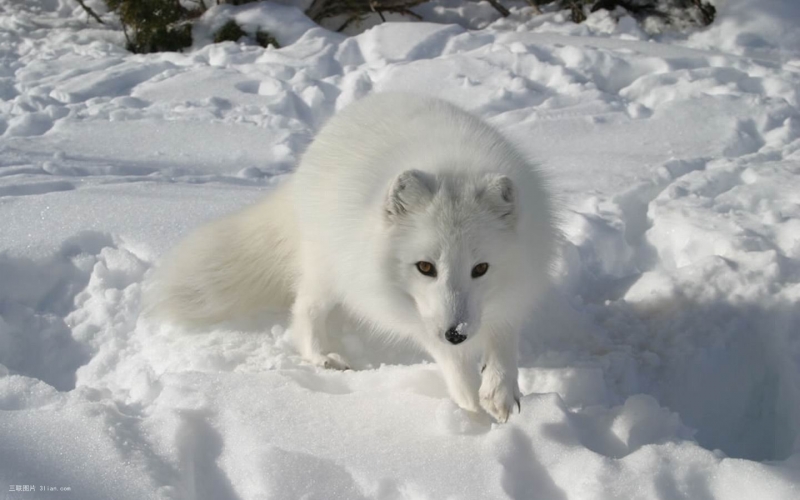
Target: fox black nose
x,y
454,337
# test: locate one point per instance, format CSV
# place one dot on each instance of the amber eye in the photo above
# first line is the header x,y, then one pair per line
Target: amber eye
x,y
427,269
480,270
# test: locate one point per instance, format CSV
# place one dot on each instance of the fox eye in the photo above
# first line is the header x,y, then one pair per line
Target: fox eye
x,y
426,268
480,269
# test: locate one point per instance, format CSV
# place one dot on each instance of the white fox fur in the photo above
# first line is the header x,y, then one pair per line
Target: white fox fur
x,y
392,181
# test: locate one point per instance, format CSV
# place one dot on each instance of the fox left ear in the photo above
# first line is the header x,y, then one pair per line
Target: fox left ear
x,y
500,197
410,191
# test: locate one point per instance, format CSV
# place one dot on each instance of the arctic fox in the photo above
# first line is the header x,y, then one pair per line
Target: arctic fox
x,y
410,214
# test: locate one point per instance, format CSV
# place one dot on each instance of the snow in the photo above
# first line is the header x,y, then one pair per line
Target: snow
x,y
664,364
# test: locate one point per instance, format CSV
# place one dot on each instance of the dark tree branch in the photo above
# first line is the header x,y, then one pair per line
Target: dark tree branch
x,y
90,11
499,8
355,10
407,12
535,5
576,11
707,11
372,6
633,8
347,23
380,10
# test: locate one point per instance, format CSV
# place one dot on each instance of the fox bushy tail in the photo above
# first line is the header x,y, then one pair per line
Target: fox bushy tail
x,y
240,264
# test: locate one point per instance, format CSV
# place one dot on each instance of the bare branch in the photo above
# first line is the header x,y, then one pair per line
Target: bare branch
x,y
372,7
499,8
536,9
90,11
356,9
347,23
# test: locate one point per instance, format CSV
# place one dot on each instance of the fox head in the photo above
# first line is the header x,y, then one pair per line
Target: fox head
x,y
452,247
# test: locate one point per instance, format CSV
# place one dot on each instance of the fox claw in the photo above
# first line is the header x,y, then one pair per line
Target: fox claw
x,y
331,361
498,395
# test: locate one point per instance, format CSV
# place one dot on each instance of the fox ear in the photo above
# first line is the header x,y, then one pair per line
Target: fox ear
x,y
411,190
500,197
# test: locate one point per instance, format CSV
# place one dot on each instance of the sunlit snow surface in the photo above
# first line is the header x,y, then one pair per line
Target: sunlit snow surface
x,y
665,363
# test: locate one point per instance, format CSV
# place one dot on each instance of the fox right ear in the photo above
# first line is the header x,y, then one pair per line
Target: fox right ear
x,y
411,190
499,196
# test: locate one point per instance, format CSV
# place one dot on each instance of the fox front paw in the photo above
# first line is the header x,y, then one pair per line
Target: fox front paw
x,y
330,361
499,396
464,397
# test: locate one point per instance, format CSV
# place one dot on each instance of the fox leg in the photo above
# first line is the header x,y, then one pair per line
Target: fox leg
x,y
499,391
460,373
310,312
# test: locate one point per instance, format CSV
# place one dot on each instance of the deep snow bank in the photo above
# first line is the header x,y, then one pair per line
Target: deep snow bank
x,y
760,28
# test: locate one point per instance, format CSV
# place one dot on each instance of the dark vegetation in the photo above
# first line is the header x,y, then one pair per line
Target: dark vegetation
x,y
166,25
